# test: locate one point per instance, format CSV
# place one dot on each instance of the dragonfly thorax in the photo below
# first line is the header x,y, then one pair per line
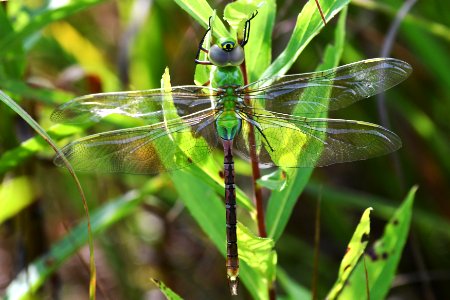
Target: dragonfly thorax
x,y
224,77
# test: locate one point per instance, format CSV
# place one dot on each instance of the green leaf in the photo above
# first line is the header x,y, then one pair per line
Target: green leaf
x,y
258,52
258,253
355,249
281,203
309,23
170,295
200,10
236,13
382,264
15,194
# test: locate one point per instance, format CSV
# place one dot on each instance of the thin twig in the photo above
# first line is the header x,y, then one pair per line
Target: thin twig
x,y
321,12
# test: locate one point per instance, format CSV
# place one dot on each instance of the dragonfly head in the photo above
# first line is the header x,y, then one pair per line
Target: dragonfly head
x,y
227,52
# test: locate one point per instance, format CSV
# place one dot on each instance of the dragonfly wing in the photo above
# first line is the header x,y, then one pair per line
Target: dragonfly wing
x,y
143,150
327,90
137,104
312,142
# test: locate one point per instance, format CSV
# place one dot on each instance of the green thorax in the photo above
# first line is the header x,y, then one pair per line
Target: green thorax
x,y
227,76
228,123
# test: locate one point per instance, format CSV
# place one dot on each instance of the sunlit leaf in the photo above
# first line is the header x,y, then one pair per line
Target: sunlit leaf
x,y
258,253
355,249
15,194
200,10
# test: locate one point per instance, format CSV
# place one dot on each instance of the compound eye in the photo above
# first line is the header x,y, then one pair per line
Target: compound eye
x,y
218,56
236,56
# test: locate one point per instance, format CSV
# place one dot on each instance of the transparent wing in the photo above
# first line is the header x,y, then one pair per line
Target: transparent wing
x,y
347,84
144,150
137,104
289,141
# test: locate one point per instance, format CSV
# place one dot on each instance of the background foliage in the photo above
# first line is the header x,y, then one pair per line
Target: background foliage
x,y
51,51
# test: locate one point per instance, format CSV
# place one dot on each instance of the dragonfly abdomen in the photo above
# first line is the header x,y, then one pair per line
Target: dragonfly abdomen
x,y
232,261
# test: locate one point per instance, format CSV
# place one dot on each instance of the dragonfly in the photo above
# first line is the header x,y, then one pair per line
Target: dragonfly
x,y
282,112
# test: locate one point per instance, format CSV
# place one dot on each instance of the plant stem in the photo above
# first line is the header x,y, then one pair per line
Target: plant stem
x,y
256,174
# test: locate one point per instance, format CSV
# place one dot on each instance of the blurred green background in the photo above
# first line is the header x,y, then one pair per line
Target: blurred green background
x,y
105,46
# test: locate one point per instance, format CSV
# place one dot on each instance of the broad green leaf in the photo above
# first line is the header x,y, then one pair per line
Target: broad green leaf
x,y
15,194
200,10
382,264
28,281
236,13
258,253
309,23
202,72
293,290
355,249
170,295
281,203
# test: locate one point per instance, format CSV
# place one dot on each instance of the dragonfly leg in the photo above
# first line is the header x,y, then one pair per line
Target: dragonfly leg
x,y
247,29
201,48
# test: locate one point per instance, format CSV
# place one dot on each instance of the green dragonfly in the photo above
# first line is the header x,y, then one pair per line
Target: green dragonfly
x,y
281,111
